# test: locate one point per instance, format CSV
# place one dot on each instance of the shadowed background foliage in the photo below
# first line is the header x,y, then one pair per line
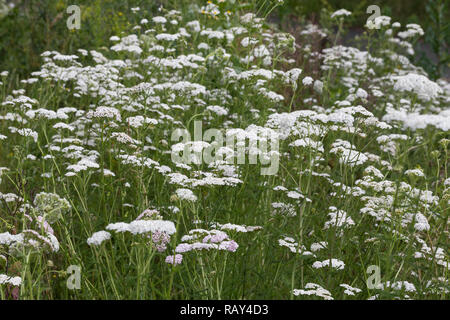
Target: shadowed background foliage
x,y
34,26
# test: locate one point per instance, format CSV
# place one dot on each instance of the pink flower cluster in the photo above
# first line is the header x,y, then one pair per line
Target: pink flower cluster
x,y
214,239
174,260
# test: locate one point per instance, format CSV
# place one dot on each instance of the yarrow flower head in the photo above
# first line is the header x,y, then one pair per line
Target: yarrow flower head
x,y
14,281
340,13
186,194
98,237
314,289
335,263
378,22
419,84
175,259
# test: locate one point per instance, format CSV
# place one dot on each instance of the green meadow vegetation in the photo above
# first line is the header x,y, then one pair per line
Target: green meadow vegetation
x,y
109,191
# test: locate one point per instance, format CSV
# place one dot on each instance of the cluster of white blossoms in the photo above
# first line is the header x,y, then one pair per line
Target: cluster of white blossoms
x,y
294,246
338,218
314,289
398,285
333,263
98,237
419,84
14,281
186,194
347,153
340,13
349,290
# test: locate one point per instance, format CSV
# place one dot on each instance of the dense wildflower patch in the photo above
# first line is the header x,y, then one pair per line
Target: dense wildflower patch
x,y
88,179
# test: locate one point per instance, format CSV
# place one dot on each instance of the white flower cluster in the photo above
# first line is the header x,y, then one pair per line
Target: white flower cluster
x,y
98,237
314,289
14,281
335,263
